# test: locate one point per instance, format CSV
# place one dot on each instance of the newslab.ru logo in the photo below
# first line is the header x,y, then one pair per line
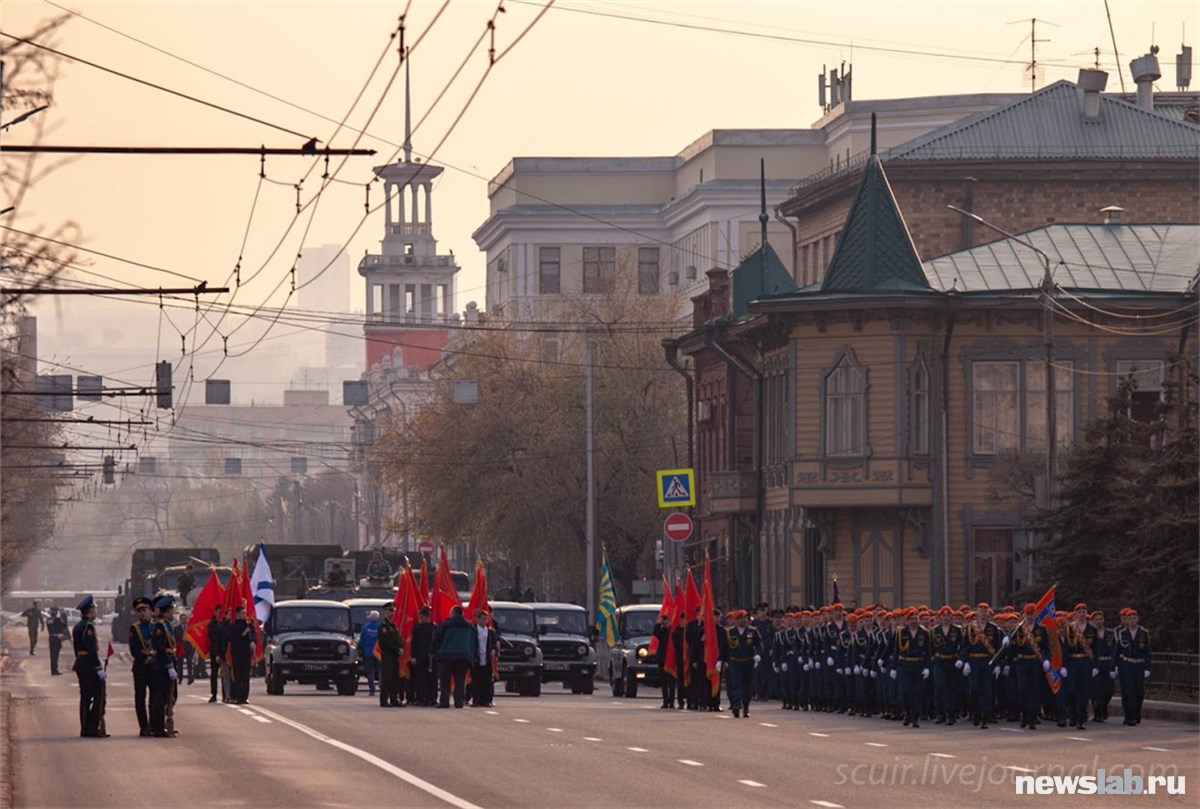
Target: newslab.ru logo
x,y
1102,783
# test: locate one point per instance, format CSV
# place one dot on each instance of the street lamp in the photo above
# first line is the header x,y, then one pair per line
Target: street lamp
x,y
1048,340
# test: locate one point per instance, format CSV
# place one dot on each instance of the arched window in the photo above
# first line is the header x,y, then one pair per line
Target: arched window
x,y
846,408
918,408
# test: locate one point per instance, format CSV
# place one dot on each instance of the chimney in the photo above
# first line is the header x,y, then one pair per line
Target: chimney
x,y
1092,82
1112,214
1145,73
718,292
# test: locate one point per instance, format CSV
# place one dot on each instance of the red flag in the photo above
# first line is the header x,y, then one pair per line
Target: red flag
x,y
710,631
691,600
110,652
677,620
479,593
667,609
445,596
423,588
407,606
211,596
1044,611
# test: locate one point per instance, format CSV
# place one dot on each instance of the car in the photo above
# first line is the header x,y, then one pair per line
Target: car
x,y
310,641
567,656
629,662
359,607
520,654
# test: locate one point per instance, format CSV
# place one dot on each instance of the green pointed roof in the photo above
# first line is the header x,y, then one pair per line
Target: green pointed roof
x,y
750,282
875,251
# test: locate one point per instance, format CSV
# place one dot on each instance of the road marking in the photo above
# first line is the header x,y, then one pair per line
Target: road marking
x,y
492,713
638,749
555,730
689,762
648,707
1078,739
1011,730
768,725
827,804
942,755
875,744
376,761
751,783
522,721
1157,749
724,716
819,735
262,719
246,712
592,739
1015,768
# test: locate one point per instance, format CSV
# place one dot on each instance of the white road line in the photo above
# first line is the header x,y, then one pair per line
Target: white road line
x,y
262,719
1015,768
638,749
1079,739
819,735
875,744
827,804
592,739
724,716
374,760
1011,730
689,762
768,725
492,713
751,783
555,730
649,707
942,755
522,721
1157,749
246,712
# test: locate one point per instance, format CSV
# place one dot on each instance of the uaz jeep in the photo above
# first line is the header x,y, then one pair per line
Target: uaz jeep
x,y
520,656
310,642
567,657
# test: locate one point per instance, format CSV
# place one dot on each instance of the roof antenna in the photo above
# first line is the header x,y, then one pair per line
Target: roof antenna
x,y
872,133
407,114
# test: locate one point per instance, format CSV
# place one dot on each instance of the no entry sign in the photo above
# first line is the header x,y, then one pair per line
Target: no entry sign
x,y
678,527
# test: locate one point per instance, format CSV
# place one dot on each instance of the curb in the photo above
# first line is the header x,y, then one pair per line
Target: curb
x,y
6,752
1157,709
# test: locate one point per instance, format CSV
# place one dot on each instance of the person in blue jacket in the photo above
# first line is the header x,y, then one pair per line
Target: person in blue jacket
x,y
366,642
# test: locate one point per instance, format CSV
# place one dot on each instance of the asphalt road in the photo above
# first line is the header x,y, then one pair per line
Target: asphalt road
x,y
317,749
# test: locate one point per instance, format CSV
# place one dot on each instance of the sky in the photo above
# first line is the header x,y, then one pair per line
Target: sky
x,y
581,81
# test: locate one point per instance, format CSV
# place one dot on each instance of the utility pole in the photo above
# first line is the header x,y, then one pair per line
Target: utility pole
x,y
590,514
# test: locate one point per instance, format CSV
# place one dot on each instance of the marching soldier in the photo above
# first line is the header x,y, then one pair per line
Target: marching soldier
x,y
142,654
1106,647
743,652
1133,665
240,643
911,666
946,640
1078,638
981,641
1027,655
90,671
163,673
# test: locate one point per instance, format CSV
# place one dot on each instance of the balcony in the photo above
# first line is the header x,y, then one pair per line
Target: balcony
x,y
384,262
732,492
408,229
410,319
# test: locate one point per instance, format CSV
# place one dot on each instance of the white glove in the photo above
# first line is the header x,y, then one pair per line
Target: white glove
x,y
1062,673
966,669
808,666
858,669
1005,642
172,674
1045,665
958,664
924,674
995,674
1113,674
873,674
101,673
880,662
818,665
718,667
784,667
776,668
893,674
1147,673
757,659
829,661
1095,672
1007,669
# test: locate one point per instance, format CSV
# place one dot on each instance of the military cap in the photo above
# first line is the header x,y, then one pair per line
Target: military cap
x,y
982,605
141,601
389,606
423,610
1030,608
852,618
836,606
87,603
971,615
945,610
164,603
1080,606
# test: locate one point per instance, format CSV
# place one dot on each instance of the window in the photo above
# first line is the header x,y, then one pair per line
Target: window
x,y
846,409
648,270
1035,404
993,564
599,269
995,385
549,270
1148,378
918,408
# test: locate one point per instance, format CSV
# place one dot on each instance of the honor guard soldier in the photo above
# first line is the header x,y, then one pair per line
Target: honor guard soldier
x,y
142,654
56,633
1079,638
742,654
1106,647
1029,652
162,672
1133,665
981,641
946,640
911,666
90,671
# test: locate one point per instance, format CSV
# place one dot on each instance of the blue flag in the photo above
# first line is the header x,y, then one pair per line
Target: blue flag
x,y
606,612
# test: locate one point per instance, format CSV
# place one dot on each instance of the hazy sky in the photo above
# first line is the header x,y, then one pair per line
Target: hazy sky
x,y
578,84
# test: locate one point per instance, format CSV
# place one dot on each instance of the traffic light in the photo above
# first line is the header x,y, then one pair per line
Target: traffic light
x,y
163,378
110,469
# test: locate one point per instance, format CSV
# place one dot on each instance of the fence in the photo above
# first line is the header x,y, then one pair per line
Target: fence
x,y
1176,673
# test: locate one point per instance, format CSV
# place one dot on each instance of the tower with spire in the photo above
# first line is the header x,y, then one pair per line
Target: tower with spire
x,y
409,286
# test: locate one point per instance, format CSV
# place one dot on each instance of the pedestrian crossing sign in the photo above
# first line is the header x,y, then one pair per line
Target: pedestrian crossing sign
x,y
676,487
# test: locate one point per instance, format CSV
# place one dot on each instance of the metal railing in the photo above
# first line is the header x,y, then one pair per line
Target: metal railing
x,y
1176,673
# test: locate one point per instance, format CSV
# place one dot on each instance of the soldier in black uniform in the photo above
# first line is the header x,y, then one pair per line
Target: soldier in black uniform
x,y
911,666
216,653
390,644
89,670
56,630
1105,648
141,652
163,673
422,659
742,654
662,635
947,667
1133,665
241,653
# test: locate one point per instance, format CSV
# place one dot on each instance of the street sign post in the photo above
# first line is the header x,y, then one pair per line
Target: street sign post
x,y
425,546
678,527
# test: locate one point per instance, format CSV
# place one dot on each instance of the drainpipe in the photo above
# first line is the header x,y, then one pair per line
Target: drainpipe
x,y
712,338
671,347
951,314
779,217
